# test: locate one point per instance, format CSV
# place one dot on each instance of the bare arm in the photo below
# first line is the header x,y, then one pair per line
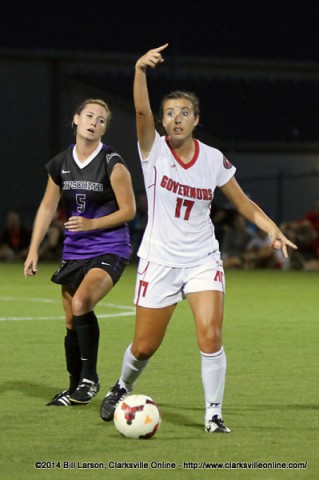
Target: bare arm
x,y
42,222
254,214
122,186
144,116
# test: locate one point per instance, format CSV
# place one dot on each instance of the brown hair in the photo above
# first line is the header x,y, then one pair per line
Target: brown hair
x,y
97,101
180,94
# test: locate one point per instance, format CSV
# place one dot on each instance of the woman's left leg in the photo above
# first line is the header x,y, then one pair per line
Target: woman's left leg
x,y
208,310
95,285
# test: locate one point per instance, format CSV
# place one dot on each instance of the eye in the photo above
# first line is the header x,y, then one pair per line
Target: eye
x,y
185,113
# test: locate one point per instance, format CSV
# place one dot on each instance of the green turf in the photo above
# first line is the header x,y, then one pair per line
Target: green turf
x,y
271,399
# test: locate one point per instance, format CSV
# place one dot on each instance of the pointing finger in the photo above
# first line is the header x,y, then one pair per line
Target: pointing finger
x,y
161,48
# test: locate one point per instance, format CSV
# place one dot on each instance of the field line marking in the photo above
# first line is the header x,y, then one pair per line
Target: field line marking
x,y
105,315
128,310
28,299
51,300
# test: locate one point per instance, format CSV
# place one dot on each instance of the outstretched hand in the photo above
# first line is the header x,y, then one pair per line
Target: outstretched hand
x,y
278,241
152,58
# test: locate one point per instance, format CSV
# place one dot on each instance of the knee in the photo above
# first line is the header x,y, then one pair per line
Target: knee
x,y
210,341
80,305
143,350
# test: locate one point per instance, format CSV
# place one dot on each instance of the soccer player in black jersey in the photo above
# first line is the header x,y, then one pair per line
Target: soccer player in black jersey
x,y
96,188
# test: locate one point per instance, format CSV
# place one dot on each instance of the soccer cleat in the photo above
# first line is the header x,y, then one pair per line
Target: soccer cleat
x,y
110,401
85,391
61,399
216,425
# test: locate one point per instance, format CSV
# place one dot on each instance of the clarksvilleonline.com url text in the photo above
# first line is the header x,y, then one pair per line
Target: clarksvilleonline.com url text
x,y
245,465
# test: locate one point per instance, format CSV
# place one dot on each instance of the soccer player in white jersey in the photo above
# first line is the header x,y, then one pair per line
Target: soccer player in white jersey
x,y
179,254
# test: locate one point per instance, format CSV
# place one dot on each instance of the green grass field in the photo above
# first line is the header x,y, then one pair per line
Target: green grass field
x,y
271,400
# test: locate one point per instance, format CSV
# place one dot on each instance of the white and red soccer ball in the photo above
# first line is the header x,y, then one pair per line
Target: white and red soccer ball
x,y
137,416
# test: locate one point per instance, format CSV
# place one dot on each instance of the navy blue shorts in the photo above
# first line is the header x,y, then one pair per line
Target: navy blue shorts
x,y
71,272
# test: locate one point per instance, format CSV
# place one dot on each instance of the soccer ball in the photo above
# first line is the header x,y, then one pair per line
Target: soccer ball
x,y
137,416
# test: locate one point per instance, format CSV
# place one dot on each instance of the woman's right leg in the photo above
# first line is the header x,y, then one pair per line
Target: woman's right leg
x,y
71,343
72,353
150,328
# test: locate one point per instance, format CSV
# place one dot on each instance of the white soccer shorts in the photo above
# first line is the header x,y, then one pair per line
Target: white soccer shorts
x,y
160,286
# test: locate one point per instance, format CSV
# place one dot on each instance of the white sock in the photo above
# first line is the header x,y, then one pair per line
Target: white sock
x,y
213,377
131,369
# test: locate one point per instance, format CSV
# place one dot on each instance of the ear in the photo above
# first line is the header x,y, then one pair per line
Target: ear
x,y
163,126
196,122
76,119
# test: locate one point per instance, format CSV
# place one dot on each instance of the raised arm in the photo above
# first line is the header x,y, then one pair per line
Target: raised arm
x,y
144,117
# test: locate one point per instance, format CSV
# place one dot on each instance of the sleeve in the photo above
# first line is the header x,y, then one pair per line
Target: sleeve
x,y
112,158
226,171
53,168
154,152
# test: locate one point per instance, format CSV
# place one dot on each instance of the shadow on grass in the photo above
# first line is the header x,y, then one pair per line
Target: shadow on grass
x,y
172,414
30,389
298,407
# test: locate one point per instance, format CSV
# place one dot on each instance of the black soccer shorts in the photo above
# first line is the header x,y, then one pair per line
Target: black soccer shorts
x,y
72,272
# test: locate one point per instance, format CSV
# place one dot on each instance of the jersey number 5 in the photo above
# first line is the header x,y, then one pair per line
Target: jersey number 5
x,y
80,201
187,204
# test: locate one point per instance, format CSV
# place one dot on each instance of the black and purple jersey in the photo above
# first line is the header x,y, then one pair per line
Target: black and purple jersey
x,y
88,192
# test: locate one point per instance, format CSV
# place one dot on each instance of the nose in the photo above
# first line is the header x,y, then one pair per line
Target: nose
x,y
177,118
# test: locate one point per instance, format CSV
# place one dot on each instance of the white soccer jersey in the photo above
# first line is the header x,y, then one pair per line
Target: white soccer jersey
x,y
179,230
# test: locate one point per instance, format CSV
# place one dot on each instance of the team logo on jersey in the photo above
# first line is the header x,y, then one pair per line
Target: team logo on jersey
x,y
109,156
186,190
227,163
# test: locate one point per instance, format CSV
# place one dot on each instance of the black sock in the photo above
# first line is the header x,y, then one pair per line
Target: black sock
x,y
73,358
88,336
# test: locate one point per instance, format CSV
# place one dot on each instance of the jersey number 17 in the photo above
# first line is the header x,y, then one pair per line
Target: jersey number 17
x,y
187,204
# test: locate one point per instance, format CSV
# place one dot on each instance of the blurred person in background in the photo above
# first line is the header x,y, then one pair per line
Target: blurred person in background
x,y
138,224
235,241
14,238
259,254
52,245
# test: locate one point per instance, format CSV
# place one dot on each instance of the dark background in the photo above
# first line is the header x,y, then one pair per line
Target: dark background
x,y
282,29
253,64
